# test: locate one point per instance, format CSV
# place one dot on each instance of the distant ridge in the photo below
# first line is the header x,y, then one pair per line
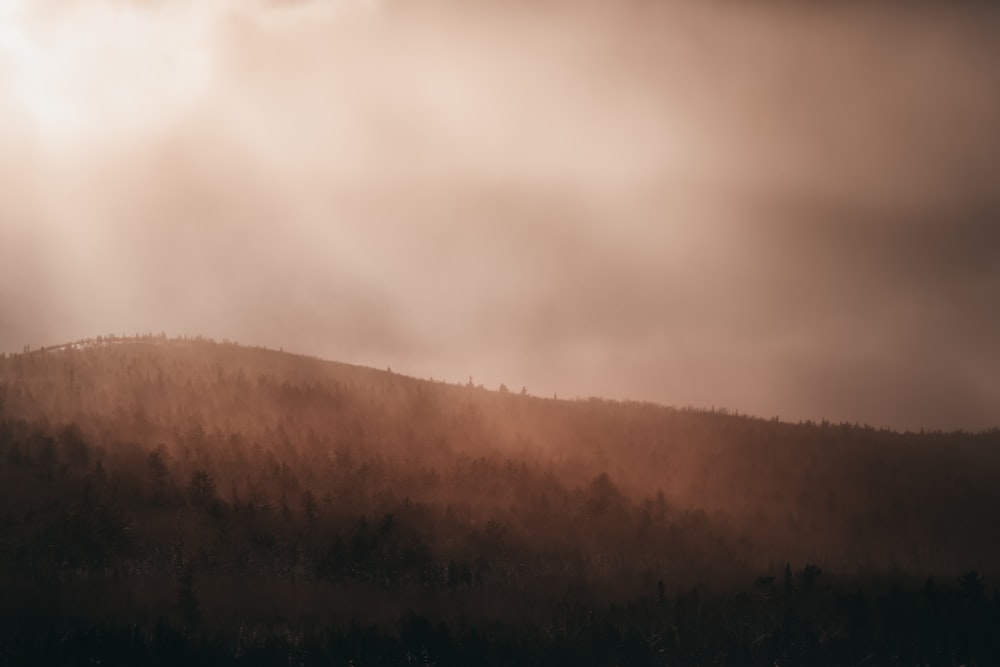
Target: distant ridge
x,y
163,339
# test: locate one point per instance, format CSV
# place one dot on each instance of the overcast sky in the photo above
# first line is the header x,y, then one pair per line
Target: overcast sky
x,y
778,209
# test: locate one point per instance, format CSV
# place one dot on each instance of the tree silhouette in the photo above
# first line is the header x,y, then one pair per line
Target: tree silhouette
x,y
808,576
602,494
201,490
971,583
187,599
309,504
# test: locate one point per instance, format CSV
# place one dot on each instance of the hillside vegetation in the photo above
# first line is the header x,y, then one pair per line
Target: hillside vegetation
x,y
167,500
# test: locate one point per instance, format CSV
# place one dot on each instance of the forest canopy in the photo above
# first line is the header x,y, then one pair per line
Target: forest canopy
x,y
190,490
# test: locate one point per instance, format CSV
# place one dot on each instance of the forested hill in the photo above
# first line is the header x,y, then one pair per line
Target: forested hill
x,y
840,492
211,486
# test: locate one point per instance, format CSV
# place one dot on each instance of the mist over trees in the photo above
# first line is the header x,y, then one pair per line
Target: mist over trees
x,y
168,500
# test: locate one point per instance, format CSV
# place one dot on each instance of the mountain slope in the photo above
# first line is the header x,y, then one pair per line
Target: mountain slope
x,y
211,486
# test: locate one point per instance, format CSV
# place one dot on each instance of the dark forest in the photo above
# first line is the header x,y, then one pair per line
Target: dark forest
x,y
182,501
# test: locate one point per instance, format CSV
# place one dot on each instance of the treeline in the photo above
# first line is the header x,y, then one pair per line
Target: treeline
x,y
136,565
185,500
848,496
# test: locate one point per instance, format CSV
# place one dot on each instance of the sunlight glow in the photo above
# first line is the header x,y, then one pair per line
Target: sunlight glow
x,y
102,69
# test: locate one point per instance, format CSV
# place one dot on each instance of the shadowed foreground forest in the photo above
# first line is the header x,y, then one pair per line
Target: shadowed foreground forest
x,y
183,501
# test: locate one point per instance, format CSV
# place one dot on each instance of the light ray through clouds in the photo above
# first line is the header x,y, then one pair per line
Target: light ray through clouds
x,y
780,210
92,70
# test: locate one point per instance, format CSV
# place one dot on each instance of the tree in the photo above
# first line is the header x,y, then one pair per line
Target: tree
x,y
187,598
201,490
971,583
808,576
602,495
309,504
156,465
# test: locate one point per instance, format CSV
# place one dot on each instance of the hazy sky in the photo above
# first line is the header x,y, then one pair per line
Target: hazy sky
x,y
776,208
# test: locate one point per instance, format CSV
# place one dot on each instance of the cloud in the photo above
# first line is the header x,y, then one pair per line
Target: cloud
x,y
781,210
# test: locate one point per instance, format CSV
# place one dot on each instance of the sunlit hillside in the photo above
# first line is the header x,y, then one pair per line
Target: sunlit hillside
x,y
256,500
